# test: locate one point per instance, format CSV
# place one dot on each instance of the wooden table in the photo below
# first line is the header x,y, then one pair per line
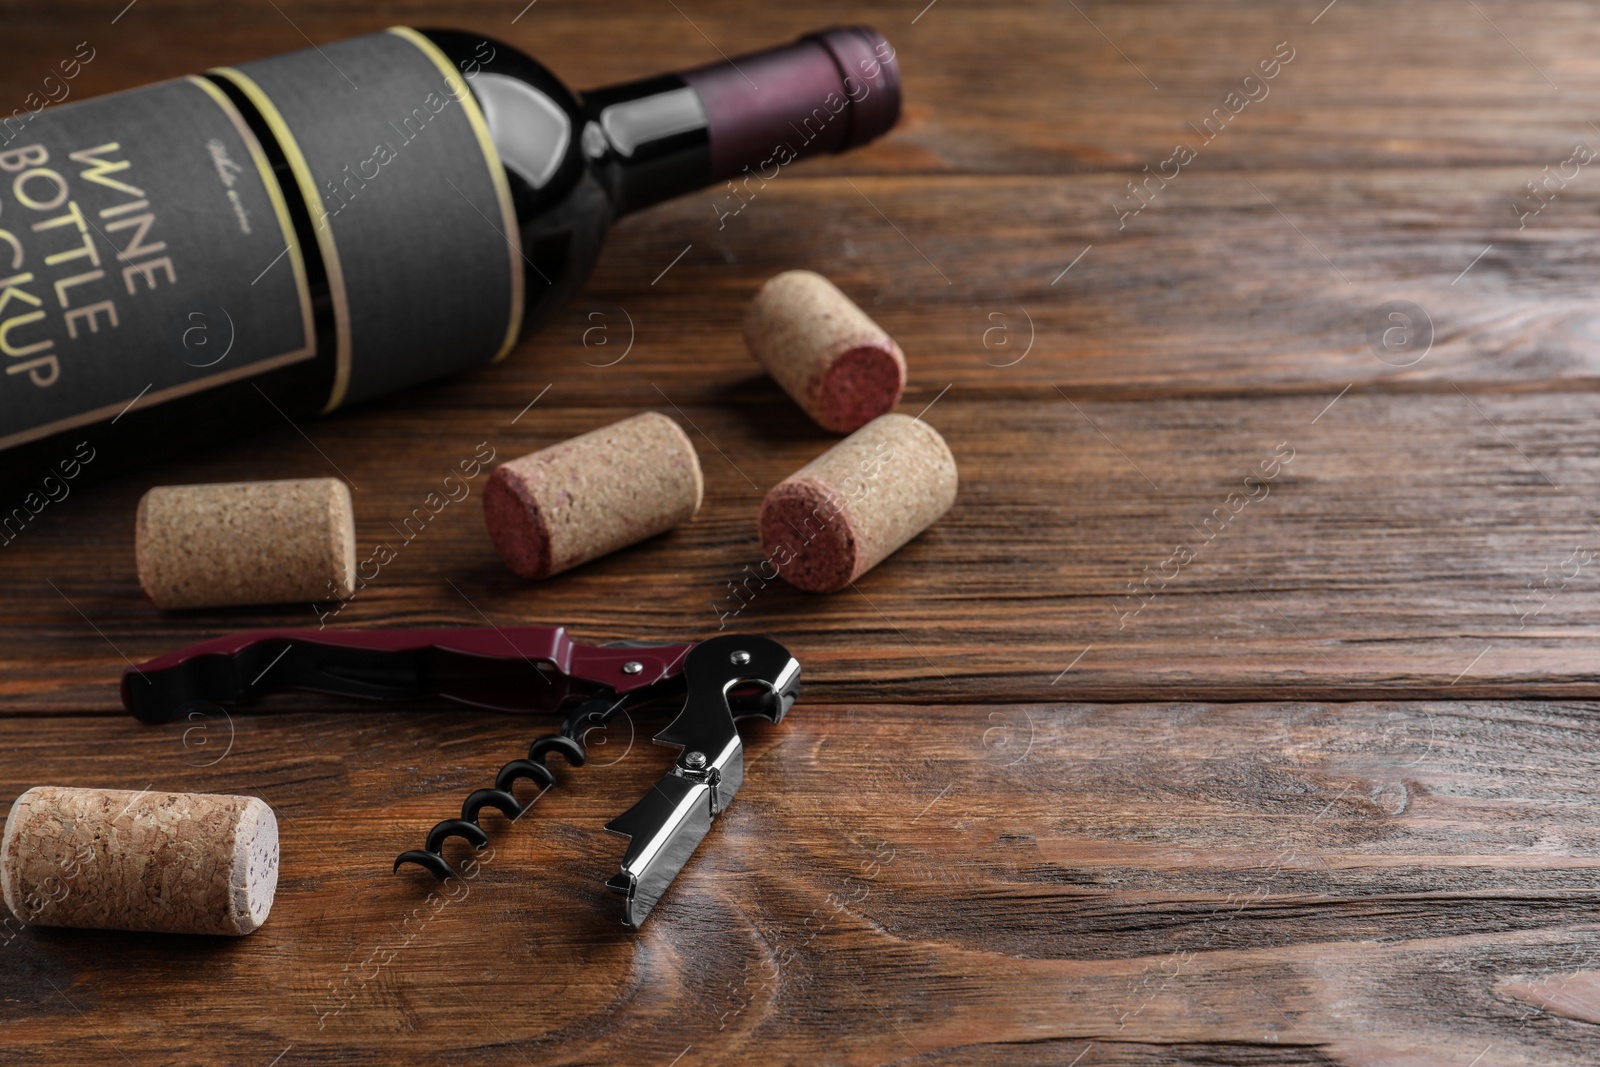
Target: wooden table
x,y
1318,790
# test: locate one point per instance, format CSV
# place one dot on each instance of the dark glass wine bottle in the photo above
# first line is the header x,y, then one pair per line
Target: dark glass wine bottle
x,y
308,231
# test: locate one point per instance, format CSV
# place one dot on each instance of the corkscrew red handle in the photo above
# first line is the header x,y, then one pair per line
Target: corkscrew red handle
x,y
521,668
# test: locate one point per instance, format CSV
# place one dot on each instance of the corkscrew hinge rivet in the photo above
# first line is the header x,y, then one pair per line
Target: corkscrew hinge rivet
x,y
695,761
633,666
740,659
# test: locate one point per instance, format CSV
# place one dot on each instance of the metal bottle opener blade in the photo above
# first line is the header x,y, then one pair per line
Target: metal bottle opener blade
x,y
728,677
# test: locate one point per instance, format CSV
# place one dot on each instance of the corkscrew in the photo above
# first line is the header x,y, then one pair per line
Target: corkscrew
x,y
519,669
592,713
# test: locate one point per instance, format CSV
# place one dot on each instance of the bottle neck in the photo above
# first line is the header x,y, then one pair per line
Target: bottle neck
x,y
750,116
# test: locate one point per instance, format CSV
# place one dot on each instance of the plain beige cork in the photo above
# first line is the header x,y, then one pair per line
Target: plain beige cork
x,y
836,363
853,506
112,859
233,543
578,500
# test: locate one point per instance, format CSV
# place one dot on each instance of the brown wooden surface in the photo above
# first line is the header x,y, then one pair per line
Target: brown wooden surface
x,y
1325,799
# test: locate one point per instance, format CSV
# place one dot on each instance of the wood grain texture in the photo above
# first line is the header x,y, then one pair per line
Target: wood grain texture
x,y
1057,791
1410,545
1265,883
1037,86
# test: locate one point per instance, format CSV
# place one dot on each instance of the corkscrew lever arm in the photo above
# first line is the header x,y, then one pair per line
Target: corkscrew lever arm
x,y
727,677
514,668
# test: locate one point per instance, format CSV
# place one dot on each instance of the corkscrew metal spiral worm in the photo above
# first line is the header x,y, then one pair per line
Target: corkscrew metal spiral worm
x,y
593,713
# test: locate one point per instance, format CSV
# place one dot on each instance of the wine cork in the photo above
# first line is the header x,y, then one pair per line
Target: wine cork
x,y
838,364
211,546
177,863
847,510
570,503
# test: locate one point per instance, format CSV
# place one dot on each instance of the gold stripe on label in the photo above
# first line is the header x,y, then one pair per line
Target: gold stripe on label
x,y
308,191
279,206
154,396
497,174
159,396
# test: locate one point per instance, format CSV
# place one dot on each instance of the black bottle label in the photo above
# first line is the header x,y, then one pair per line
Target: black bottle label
x,y
145,253
409,201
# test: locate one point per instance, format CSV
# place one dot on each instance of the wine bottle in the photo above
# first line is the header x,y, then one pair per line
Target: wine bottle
x,y
305,232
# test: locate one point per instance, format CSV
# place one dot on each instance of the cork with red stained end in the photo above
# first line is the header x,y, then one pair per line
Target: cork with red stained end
x,y
112,859
237,543
838,364
856,504
552,510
